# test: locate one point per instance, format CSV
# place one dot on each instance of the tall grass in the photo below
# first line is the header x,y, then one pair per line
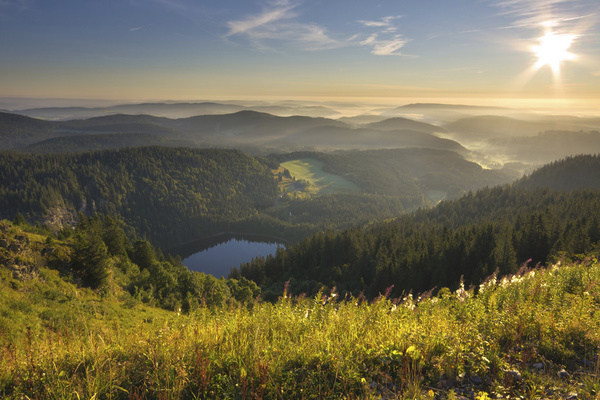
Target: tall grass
x,y
456,343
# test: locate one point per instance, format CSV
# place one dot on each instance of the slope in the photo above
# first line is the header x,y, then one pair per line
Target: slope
x,y
169,195
465,239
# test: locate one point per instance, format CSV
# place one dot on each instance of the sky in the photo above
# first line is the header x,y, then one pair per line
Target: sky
x,y
487,51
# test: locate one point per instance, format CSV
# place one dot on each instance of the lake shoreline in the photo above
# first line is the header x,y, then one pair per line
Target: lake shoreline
x,y
182,249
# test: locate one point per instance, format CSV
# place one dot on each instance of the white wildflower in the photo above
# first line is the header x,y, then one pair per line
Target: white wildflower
x,y
461,293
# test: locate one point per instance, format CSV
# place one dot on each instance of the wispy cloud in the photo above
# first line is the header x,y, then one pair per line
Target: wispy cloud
x,y
385,22
278,22
273,13
545,13
385,41
385,47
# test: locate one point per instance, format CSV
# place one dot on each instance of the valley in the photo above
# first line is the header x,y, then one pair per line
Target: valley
x,y
441,224
299,200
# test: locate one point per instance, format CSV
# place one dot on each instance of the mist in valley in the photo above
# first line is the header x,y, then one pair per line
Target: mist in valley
x,y
514,141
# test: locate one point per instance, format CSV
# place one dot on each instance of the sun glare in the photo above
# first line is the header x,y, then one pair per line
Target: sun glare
x,y
553,49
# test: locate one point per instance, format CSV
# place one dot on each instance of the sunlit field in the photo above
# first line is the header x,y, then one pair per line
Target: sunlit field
x,y
319,181
532,335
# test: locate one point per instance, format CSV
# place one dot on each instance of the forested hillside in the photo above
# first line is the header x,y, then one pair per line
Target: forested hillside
x,y
412,175
496,229
571,173
17,130
167,195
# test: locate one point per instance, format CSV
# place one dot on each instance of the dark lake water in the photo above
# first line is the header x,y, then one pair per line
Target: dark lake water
x,y
217,256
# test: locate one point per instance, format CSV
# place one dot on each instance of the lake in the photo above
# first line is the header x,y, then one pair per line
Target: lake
x,y
218,255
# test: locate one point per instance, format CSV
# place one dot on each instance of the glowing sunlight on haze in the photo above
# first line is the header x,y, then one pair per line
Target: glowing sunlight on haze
x,y
553,50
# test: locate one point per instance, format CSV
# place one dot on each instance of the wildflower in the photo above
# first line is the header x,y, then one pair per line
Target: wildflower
x,y
461,293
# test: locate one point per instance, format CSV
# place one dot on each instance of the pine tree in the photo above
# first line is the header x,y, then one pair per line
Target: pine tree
x,y
90,259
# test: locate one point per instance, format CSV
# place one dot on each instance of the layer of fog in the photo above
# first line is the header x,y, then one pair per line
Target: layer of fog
x,y
495,137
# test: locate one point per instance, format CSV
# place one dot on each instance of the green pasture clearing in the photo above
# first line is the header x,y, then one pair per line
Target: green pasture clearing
x,y
321,182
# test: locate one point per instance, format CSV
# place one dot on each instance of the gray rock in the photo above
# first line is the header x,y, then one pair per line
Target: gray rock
x,y
538,366
562,374
572,396
476,379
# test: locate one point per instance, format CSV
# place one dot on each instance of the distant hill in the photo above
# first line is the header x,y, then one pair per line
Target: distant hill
x,y
362,138
578,172
247,130
439,114
173,110
17,130
288,111
502,139
485,127
399,123
585,123
490,126
438,106
362,119
545,147
238,130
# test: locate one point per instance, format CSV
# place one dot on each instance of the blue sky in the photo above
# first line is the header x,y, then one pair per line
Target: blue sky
x,y
318,49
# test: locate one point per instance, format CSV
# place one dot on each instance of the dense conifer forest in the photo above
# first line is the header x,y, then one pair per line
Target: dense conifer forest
x,y
167,195
494,230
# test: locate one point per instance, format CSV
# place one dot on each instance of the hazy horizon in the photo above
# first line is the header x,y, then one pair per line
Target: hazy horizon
x,y
345,107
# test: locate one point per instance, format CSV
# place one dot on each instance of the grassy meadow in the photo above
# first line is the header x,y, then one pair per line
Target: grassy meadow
x,y
320,182
535,335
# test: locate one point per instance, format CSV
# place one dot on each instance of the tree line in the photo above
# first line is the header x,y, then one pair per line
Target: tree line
x,y
100,255
493,230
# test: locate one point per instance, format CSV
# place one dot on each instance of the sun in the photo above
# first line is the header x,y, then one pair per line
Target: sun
x,y
553,49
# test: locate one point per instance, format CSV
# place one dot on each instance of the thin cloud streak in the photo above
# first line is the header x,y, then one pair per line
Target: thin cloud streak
x,y
384,42
277,22
546,13
279,11
385,22
385,47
